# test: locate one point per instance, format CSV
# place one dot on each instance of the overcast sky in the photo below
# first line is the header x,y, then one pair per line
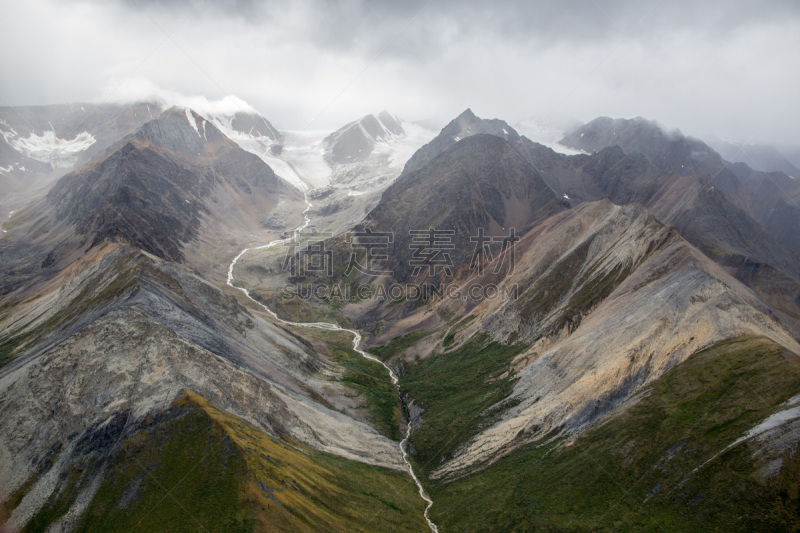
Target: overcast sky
x,y
720,67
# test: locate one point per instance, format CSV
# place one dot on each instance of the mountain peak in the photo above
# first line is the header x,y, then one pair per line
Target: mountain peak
x,y
669,150
356,140
464,125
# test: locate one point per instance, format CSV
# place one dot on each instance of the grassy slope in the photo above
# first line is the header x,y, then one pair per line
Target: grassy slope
x,y
601,482
456,389
198,468
369,378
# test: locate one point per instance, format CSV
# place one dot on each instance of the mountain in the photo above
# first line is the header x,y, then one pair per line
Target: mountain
x,y
478,182
589,348
41,144
463,126
347,170
670,151
356,140
177,187
606,338
632,285
759,194
733,214
120,350
759,157
95,392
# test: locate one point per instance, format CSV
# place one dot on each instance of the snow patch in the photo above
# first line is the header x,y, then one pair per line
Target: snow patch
x,y
192,121
546,136
771,422
259,145
49,148
400,149
304,154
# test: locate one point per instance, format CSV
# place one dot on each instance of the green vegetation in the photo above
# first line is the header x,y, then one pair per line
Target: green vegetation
x,y
8,346
634,471
369,378
591,293
7,507
394,303
17,218
398,345
296,309
544,295
456,389
449,339
195,467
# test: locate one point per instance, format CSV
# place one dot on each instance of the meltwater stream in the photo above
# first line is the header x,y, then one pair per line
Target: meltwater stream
x,y
356,344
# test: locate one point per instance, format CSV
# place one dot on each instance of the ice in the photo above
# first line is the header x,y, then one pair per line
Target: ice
x,y
260,146
400,149
545,135
304,152
49,148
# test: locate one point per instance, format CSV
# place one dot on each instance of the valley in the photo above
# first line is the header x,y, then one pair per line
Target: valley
x,y
209,321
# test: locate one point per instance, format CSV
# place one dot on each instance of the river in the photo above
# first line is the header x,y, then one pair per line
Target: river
x,y
356,346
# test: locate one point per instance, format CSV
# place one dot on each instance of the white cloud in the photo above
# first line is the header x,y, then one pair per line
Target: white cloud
x,y
710,67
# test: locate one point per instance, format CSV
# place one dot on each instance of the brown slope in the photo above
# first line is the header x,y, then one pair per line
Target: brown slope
x,y
479,182
175,186
609,299
769,198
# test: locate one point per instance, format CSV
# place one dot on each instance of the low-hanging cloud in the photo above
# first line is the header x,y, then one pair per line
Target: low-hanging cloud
x,y
704,67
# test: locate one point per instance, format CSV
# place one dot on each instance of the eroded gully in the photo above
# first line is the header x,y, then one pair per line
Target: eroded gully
x,y
356,343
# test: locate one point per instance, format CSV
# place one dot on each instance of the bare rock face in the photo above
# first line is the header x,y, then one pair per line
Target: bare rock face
x,y
480,182
178,188
768,196
152,191
609,300
120,340
463,126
